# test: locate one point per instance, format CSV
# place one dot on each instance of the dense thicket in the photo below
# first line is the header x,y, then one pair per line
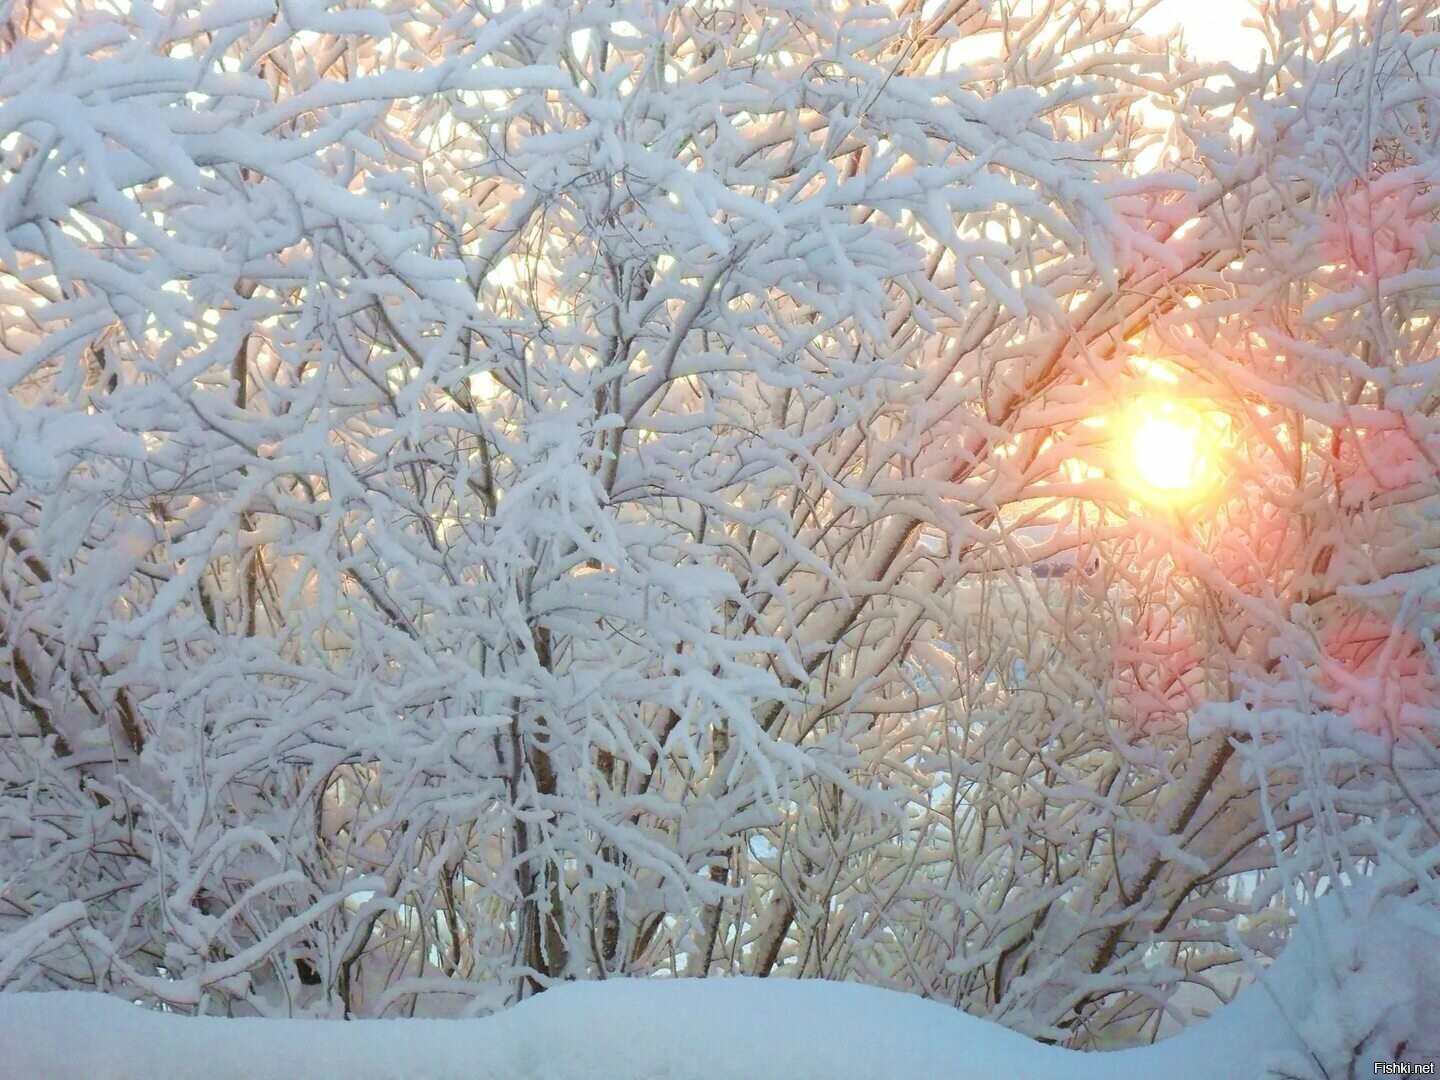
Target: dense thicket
x,y
501,493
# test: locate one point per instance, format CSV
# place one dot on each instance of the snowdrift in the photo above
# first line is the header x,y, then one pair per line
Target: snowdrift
x,y
1355,987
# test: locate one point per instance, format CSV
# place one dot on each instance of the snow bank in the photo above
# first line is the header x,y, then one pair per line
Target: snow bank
x,y
625,1029
1368,969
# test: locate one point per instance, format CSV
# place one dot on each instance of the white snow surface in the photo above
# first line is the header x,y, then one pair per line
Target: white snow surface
x,y
759,1028
626,1029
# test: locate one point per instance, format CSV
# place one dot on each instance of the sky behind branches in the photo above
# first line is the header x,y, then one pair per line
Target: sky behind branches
x,y
1214,28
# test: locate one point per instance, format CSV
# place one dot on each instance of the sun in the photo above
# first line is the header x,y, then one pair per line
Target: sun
x,y
1169,451
1166,453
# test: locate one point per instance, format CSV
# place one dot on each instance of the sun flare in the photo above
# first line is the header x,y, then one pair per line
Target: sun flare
x,y
1170,451
1167,453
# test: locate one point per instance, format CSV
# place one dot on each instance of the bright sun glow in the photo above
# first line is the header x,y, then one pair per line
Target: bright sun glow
x,y
1169,450
1167,453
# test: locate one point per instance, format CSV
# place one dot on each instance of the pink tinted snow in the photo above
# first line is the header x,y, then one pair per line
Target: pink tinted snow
x,y
1376,673
1375,229
1159,671
1372,463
